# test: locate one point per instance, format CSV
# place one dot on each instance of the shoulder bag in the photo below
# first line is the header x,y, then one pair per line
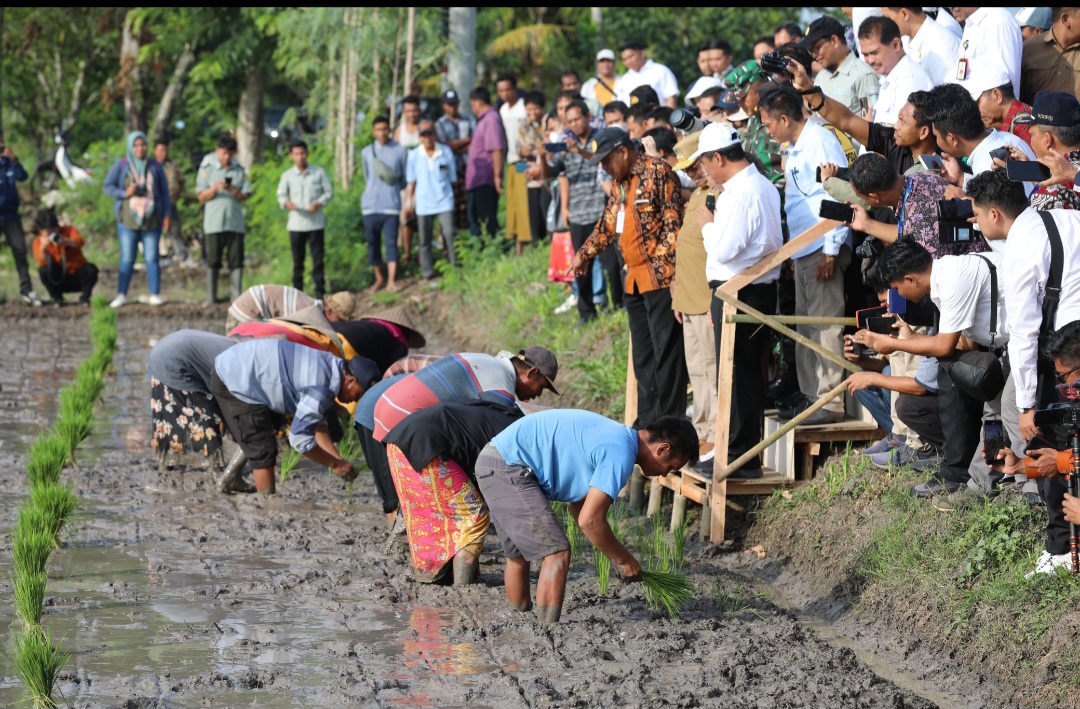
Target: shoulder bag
x,y
978,373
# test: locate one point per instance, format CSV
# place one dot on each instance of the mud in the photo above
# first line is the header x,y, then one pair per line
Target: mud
x,y
169,594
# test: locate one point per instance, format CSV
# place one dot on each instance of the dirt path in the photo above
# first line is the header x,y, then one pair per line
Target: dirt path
x,y
171,595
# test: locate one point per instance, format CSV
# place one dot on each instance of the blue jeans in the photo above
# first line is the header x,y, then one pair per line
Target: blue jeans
x,y
878,402
129,248
599,291
387,225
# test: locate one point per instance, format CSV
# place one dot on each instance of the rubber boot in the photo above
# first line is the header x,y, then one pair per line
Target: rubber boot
x,y
466,568
236,280
211,286
232,480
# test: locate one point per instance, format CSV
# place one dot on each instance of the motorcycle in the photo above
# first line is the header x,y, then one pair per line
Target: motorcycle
x,y
48,173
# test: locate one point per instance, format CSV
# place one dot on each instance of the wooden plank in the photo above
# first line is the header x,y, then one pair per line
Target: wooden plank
x,y
777,257
726,359
793,320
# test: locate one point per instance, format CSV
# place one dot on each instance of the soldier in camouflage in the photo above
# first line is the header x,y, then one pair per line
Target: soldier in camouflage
x,y
746,79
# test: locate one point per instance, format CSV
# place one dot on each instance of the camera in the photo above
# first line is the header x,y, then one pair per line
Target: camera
x,y
686,120
140,191
953,225
1001,153
774,63
869,248
54,237
1065,415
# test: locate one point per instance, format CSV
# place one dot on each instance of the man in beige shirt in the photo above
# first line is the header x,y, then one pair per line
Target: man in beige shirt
x,y
1051,61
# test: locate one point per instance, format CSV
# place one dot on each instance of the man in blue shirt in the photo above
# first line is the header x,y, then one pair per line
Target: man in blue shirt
x,y
578,457
12,171
259,382
383,163
431,173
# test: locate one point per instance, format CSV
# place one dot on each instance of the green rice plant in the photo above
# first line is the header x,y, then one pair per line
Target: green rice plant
x,y
289,459
57,502
679,536
602,564
31,545
349,446
38,662
29,590
667,591
46,456
574,536
73,430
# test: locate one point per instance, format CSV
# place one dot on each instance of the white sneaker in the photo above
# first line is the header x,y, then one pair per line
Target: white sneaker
x,y
31,298
1049,563
118,301
143,299
567,306
155,300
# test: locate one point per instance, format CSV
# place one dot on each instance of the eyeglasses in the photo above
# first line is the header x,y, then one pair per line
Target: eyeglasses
x,y
1062,377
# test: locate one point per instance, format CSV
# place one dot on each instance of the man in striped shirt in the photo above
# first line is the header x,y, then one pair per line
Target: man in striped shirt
x,y
259,382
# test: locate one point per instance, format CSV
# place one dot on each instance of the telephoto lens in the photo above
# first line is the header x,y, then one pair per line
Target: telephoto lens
x,y
684,119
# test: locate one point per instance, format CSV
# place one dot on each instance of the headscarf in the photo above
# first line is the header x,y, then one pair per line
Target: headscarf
x,y
141,207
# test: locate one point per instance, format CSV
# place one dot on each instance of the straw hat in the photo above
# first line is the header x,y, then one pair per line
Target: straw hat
x,y
400,317
343,303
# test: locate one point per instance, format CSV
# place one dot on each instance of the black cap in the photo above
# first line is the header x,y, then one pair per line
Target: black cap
x,y
822,28
451,96
605,141
544,360
365,371
1053,108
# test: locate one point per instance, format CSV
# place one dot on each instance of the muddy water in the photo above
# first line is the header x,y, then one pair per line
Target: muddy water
x,y
168,594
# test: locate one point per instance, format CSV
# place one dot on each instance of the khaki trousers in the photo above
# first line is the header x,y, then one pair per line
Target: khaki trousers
x,y
818,375
699,349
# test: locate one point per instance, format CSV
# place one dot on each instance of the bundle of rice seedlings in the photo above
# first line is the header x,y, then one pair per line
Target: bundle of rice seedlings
x,y
29,590
74,430
57,502
667,590
602,564
31,546
38,663
45,459
289,460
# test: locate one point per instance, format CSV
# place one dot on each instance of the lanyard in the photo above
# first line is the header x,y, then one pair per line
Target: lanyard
x,y
903,209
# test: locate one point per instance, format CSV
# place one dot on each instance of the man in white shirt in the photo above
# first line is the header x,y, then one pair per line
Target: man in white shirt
x,y
743,228
601,87
843,76
991,40
962,289
645,72
515,184
927,42
720,53
819,268
941,16
881,47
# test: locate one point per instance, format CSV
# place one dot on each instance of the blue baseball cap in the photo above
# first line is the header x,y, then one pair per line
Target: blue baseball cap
x,y
1053,108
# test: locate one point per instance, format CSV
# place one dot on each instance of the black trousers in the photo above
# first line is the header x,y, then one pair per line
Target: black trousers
x,y
82,281
222,242
922,414
483,210
375,455
659,362
585,306
539,199
747,378
1053,489
611,260
299,240
962,426
16,238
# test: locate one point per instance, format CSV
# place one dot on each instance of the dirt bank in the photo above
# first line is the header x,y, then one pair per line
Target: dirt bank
x,y
169,594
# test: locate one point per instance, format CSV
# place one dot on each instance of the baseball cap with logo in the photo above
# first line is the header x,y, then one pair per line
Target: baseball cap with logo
x,y
822,28
746,73
993,77
715,136
1053,108
1041,18
450,96
605,54
729,101
607,140
544,361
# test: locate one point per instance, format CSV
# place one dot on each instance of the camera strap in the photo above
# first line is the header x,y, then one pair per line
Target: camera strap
x,y
1052,294
993,298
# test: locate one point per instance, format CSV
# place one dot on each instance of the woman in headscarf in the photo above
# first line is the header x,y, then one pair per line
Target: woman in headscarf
x,y
143,210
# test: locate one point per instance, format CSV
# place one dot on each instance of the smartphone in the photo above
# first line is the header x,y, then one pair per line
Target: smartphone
x,y
897,302
841,174
1026,171
555,147
993,440
836,210
1001,153
861,316
882,325
932,162
710,202
228,181
1038,442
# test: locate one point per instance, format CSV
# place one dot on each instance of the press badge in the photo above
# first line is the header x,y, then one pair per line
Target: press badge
x,y
961,69
620,220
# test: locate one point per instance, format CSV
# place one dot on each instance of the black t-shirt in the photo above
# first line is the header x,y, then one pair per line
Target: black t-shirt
x,y
455,431
881,140
372,340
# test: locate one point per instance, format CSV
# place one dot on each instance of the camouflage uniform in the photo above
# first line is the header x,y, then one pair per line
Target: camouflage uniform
x,y
757,142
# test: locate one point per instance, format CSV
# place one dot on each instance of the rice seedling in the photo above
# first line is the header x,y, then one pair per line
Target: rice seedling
x,y
31,546
667,591
575,536
73,430
45,459
349,446
289,459
602,564
29,590
38,663
57,502
679,536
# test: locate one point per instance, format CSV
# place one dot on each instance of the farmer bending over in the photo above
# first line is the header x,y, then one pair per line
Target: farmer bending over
x,y
258,382
578,457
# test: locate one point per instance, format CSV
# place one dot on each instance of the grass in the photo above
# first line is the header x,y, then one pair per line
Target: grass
x,y
37,662
602,565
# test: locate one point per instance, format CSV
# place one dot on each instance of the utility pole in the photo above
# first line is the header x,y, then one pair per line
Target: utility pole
x,y
598,20
461,66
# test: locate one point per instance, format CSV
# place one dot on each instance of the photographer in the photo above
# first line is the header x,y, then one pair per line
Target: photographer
x,y
963,289
58,251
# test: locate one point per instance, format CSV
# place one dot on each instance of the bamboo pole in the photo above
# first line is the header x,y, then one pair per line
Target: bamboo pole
x,y
778,434
792,320
775,324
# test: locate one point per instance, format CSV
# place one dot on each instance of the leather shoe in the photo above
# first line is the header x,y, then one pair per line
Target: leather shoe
x,y
823,416
795,410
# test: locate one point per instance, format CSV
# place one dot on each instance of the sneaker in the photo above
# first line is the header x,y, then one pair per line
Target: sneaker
x,y
190,263
155,300
706,451
885,445
119,301
1049,563
31,298
959,500
906,455
933,486
568,305
822,417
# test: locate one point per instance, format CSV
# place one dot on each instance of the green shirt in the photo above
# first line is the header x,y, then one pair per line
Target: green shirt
x,y
223,212
756,141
